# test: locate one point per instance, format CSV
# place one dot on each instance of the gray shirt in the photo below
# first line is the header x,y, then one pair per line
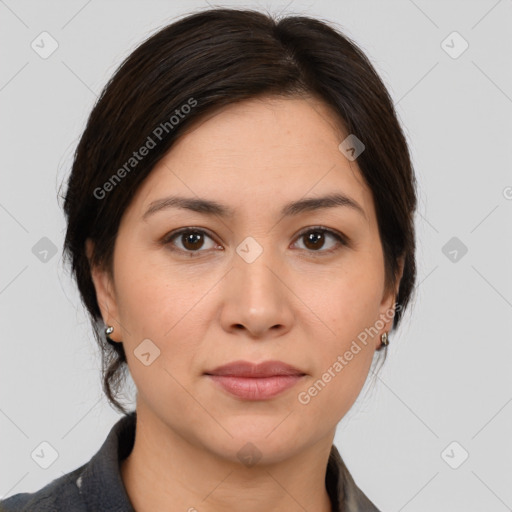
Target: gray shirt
x,y
97,485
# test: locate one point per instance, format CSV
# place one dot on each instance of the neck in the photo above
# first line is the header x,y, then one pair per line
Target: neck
x,y
165,472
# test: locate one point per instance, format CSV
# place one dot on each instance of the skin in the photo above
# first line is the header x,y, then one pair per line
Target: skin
x,y
295,303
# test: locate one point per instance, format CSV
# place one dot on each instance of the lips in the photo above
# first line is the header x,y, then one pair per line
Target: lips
x,y
251,370
249,381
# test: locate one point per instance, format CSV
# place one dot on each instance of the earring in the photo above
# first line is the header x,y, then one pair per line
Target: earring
x,y
109,330
384,339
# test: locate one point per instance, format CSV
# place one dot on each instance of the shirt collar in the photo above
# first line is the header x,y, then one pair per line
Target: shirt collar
x,y
102,488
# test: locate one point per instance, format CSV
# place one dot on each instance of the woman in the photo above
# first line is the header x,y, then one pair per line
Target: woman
x,y
240,226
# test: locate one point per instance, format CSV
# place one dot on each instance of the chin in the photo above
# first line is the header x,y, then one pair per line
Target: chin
x,y
265,441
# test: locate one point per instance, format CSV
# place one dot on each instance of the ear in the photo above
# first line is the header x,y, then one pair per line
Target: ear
x,y
387,305
105,295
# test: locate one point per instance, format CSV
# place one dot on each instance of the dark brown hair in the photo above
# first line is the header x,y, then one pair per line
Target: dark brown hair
x,y
207,60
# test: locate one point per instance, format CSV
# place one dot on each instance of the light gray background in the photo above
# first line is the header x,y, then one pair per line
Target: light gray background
x,y
448,374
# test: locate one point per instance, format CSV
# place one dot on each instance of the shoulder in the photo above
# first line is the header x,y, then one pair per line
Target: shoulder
x,y
346,495
61,494
96,485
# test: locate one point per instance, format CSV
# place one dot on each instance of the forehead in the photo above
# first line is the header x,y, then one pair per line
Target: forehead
x,y
269,127
257,151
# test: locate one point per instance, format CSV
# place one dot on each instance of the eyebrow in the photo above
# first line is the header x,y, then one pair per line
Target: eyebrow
x,y
210,207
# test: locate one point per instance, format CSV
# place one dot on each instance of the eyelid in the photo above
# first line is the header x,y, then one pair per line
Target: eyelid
x,y
340,237
167,238
333,232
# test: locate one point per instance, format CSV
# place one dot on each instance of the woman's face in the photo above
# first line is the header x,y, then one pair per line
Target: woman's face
x,y
259,283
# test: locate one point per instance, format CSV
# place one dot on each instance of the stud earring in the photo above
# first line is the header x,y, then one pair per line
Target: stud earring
x,y
384,339
109,330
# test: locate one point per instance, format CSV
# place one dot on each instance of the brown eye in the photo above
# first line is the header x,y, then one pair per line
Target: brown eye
x,y
192,241
189,240
315,239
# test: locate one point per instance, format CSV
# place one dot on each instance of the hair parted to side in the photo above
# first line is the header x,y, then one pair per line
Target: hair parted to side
x,y
207,60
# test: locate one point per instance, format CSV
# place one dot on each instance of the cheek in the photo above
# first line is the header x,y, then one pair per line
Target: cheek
x,y
151,296
341,368
156,309
164,306
331,394
348,307
349,300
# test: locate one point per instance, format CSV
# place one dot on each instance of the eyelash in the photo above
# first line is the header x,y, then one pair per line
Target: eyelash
x,y
342,240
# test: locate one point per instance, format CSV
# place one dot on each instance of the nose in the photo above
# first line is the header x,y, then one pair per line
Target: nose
x,y
257,298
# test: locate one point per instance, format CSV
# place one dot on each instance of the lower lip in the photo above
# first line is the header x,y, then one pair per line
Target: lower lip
x,y
256,388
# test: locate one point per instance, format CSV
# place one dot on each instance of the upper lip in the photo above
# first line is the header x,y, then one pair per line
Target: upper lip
x,y
248,369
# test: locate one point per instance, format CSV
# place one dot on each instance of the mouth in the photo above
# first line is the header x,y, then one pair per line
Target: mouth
x,y
249,381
